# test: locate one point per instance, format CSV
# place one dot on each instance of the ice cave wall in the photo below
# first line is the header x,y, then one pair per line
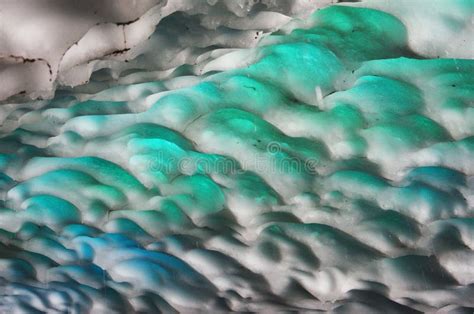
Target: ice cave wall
x,y
47,43
98,215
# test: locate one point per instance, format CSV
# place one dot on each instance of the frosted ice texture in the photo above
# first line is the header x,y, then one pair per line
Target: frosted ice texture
x,y
328,168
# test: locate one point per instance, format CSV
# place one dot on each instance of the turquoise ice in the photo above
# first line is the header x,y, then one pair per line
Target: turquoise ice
x,y
331,167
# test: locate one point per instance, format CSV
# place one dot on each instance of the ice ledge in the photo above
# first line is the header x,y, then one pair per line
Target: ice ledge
x,y
52,43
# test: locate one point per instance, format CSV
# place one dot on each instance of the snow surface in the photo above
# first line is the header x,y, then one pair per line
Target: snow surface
x,y
328,167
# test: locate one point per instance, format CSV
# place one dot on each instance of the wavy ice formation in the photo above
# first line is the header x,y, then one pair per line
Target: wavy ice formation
x,y
50,43
328,168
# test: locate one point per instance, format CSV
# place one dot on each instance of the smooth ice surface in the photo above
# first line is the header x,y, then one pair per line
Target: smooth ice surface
x,y
330,167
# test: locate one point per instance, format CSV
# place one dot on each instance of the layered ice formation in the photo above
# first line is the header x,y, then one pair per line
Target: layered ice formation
x,y
46,43
239,159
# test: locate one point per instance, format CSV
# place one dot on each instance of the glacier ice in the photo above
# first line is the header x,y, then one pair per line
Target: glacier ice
x,y
52,43
265,159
